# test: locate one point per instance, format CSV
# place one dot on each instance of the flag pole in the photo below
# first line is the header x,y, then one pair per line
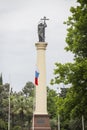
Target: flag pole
x,y
82,122
33,121
9,108
33,114
33,107
58,121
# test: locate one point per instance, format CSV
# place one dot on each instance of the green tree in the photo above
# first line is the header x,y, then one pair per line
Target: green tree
x,y
63,92
3,125
22,106
29,92
52,98
4,106
28,89
55,103
75,74
1,79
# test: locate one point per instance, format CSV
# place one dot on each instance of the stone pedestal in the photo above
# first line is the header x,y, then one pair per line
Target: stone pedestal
x,y
40,115
41,122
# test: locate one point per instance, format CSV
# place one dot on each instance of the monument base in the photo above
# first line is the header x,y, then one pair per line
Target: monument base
x,y
41,122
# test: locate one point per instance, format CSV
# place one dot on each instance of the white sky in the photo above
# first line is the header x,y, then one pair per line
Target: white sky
x,y
18,35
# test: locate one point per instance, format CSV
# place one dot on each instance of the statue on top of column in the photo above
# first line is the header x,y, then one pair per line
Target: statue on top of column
x,y
41,30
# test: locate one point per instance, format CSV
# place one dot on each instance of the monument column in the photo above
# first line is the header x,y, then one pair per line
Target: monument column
x,y
41,92
40,115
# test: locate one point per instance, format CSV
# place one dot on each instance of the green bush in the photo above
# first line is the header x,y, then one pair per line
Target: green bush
x,y
2,125
17,128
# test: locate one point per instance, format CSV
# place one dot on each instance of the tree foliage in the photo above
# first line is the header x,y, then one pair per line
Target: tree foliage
x,y
52,99
1,80
21,107
4,106
75,74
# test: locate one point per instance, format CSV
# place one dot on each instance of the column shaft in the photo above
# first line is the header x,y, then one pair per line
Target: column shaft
x,y
41,92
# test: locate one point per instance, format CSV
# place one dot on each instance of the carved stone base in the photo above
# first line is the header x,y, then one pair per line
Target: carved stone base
x,y
41,122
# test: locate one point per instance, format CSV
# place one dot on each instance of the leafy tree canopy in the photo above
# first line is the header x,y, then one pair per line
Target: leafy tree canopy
x,y
75,74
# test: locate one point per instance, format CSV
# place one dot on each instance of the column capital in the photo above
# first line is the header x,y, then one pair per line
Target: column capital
x,y
41,45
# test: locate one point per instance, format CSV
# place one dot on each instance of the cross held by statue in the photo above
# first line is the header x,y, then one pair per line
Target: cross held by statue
x,y
44,18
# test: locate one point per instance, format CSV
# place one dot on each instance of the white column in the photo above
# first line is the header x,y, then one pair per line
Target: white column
x,y
41,92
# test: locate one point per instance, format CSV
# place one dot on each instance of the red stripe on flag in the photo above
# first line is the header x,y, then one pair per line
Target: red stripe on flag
x,y
36,81
36,77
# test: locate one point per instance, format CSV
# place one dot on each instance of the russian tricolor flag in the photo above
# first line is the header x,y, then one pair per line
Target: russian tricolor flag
x,y
36,77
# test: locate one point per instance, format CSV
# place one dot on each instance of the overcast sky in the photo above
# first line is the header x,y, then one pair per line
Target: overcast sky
x,y
18,35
